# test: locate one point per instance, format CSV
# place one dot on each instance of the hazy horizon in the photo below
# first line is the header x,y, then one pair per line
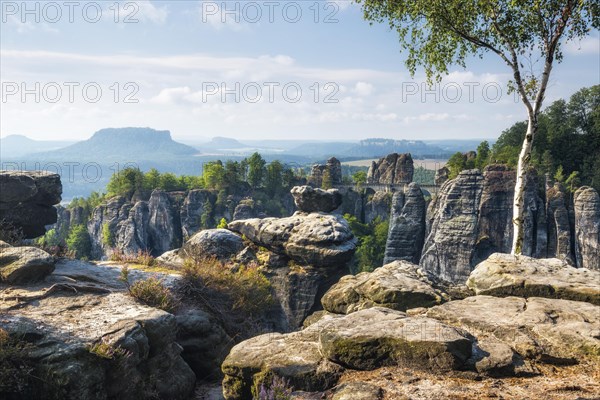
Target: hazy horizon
x,y
303,70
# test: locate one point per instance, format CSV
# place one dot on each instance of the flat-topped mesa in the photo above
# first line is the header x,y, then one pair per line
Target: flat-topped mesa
x,y
309,199
392,169
27,200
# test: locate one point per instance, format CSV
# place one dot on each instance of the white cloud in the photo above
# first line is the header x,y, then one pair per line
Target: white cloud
x,y
149,12
363,89
589,45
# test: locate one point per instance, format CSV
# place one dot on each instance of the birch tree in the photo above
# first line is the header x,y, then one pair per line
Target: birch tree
x,y
526,35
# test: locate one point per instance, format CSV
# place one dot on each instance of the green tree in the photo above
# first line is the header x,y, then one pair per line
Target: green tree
x,y
274,178
151,179
455,164
573,182
222,224
483,155
125,182
438,34
359,178
79,241
107,235
213,175
256,170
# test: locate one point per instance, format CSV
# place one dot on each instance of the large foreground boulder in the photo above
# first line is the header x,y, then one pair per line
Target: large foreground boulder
x,y
309,199
399,285
379,336
549,330
316,239
510,275
27,200
21,265
294,356
220,243
88,339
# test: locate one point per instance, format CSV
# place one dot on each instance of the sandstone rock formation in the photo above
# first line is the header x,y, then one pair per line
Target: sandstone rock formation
x,y
407,226
316,239
90,340
27,199
441,176
294,356
587,228
547,329
399,285
509,275
196,204
392,169
331,171
449,247
471,218
377,205
355,341
220,243
559,228
309,199
21,265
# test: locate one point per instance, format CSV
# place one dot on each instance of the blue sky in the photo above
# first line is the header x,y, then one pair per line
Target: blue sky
x,y
325,74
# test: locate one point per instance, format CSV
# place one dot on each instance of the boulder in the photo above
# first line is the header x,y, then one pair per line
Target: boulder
x,y
220,243
587,228
245,210
510,275
399,285
90,340
205,343
316,239
550,330
376,337
309,199
21,265
295,357
27,199
407,226
171,259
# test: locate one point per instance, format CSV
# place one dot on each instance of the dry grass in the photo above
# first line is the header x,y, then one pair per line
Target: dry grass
x,y
239,296
151,291
142,257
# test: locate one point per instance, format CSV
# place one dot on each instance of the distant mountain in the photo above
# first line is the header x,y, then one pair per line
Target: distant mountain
x,y
381,147
123,144
220,142
14,146
320,149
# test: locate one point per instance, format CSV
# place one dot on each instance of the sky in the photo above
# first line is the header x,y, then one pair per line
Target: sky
x,y
248,70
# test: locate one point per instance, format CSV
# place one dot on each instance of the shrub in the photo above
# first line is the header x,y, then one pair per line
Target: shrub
x,y
222,224
151,291
79,241
142,257
107,236
105,350
237,296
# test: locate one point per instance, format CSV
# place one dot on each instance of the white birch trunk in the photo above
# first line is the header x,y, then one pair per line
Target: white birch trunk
x,y
519,198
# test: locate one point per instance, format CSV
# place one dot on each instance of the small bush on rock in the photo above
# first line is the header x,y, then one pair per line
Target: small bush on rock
x,y
237,295
151,291
142,257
